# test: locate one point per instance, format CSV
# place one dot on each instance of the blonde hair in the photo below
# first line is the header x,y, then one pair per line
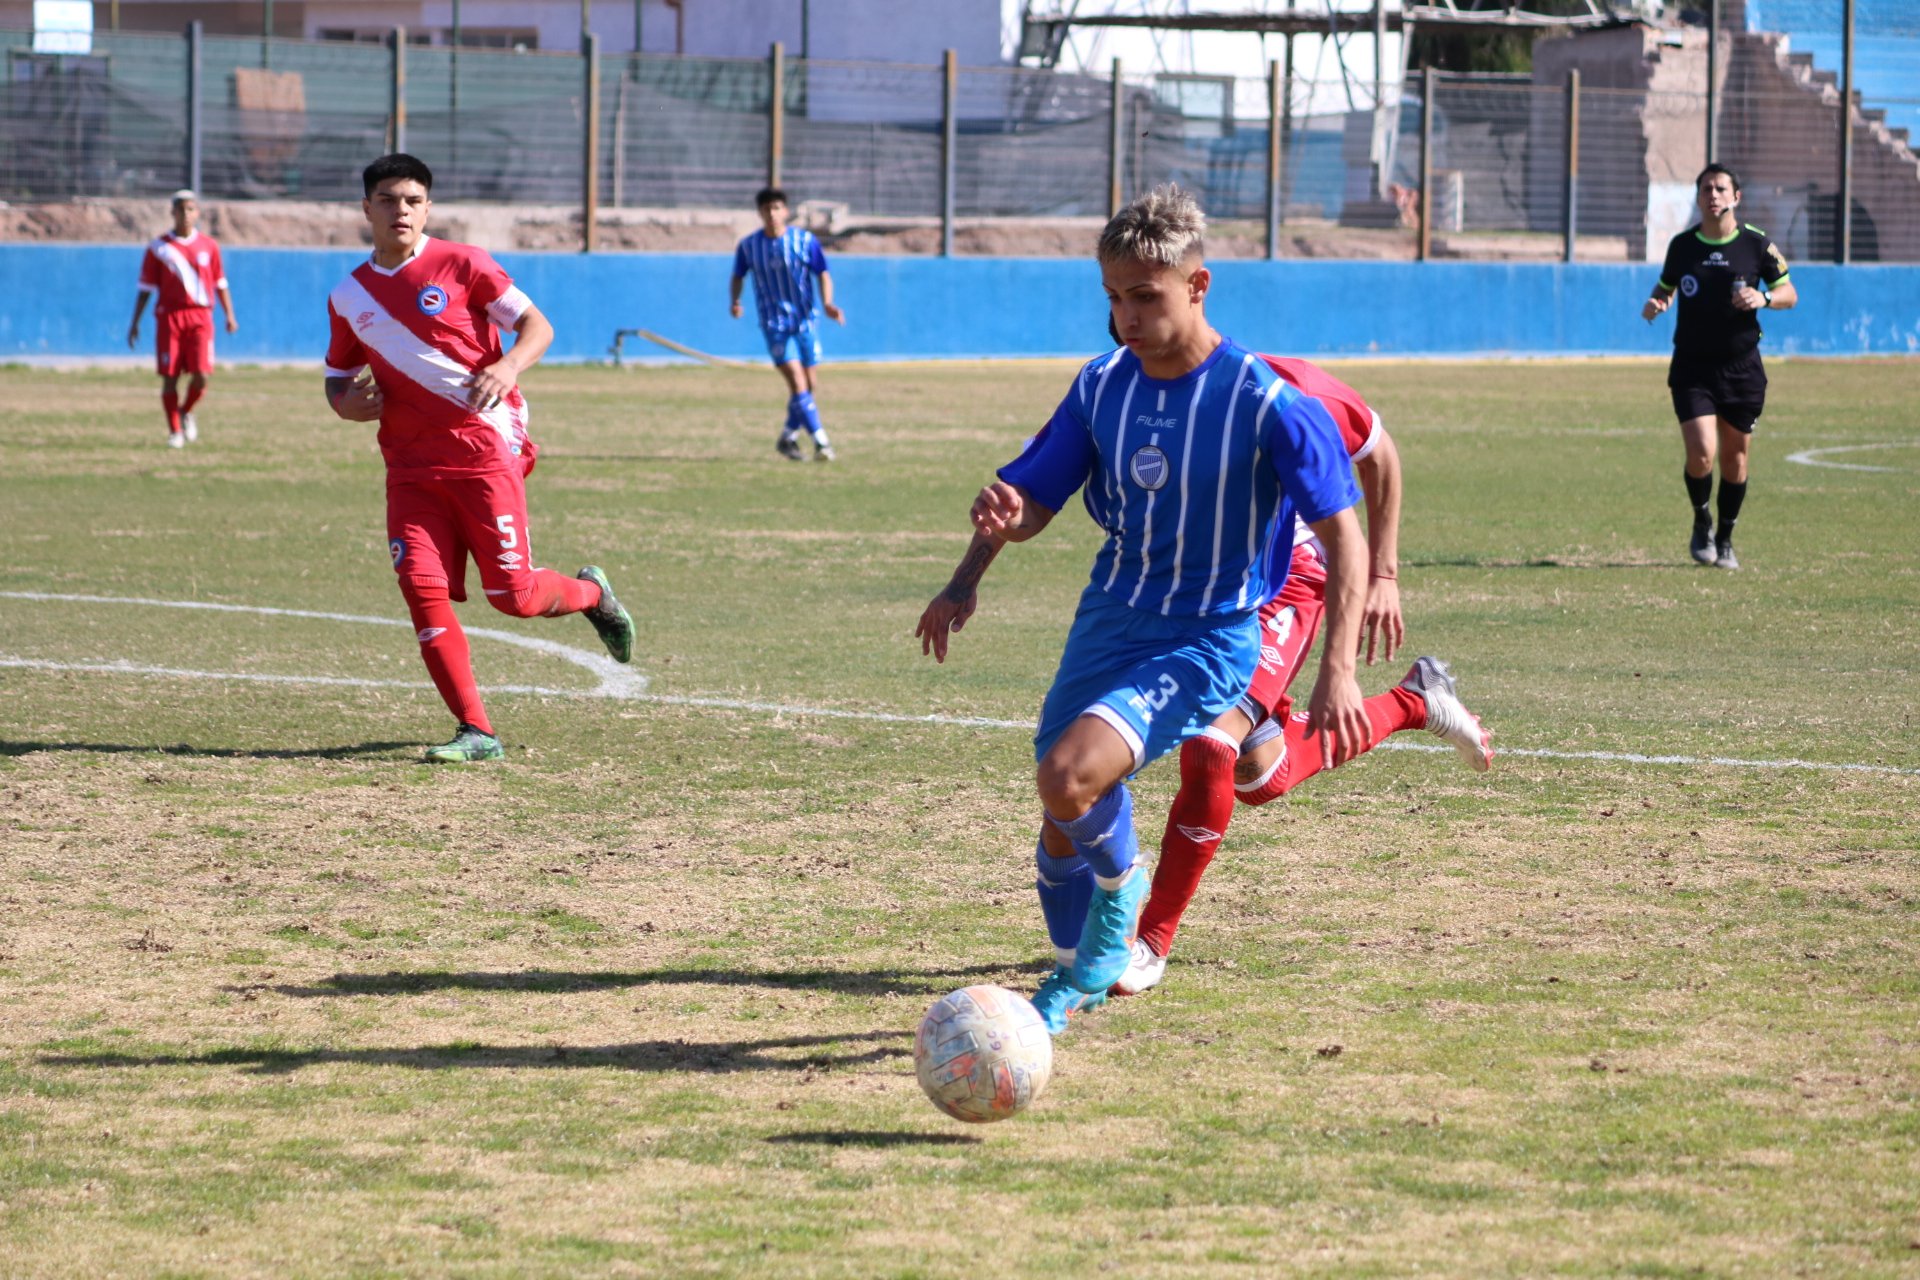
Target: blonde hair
x,y
1164,226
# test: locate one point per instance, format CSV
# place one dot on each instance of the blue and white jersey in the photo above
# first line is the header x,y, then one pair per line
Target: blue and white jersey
x,y
782,268
1196,480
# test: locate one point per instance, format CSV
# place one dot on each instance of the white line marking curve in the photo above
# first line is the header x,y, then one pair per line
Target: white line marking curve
x,y
1817,457
629,686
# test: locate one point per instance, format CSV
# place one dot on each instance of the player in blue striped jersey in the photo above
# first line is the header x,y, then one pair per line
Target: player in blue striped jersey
x,y
783,261
1193,456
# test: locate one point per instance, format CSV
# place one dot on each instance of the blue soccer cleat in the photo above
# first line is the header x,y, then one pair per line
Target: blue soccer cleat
x,y
1106,940
1058,999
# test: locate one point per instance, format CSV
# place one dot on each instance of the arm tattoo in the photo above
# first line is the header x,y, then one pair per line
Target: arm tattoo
x,y
973,566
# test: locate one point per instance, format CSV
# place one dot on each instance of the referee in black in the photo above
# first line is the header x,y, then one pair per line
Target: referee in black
x,y
1719,385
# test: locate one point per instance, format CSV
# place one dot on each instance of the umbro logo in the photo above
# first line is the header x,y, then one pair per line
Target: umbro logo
x,y
362,320
429,633
1199,835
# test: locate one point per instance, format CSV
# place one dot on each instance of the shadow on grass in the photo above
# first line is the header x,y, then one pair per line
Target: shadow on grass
x,y
718,1057
10,748
875,1138
863,982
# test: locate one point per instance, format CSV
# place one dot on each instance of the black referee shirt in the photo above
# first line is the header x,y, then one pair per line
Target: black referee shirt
x,y
1702,272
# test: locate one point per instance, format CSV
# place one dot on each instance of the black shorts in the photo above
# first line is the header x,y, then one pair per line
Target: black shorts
x,y
1734,388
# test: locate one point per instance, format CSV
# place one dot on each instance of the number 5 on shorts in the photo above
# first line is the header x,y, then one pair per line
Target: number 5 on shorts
x,y
509,539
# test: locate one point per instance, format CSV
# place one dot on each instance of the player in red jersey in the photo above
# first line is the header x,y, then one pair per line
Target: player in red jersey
x,y
1259,751
422,316
182,272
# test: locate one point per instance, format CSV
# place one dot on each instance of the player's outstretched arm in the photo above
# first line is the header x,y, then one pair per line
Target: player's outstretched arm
x,y
733,296
1335,708
949,611
354,399
1662,299
226,305
489,386
1008,512
826,299
1381,624
133,326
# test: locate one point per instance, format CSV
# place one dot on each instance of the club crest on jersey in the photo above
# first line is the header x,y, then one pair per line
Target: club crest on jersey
x,y
398,548
1689,286
203,258
432,300
1148,467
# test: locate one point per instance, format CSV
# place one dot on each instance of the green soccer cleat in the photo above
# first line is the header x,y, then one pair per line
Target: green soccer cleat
x,y
467,746
614,623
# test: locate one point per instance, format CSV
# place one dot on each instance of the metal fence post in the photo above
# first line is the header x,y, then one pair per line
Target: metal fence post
x,y
590,186
196,33
1573,162
776,111
1844,223
1116,158
949,147
1426,163
397,118
1274,92
1713,76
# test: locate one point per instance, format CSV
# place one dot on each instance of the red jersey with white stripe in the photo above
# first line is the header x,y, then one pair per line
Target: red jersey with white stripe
x,y
1351,413
182,274
425,327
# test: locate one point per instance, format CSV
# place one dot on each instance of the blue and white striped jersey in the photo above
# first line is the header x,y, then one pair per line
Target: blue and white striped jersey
x,y
1196,480
782,268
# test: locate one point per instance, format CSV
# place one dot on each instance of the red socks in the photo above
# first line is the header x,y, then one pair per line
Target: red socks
x,y
170,401
1387,714
551,595
1195,826
194,392
443,645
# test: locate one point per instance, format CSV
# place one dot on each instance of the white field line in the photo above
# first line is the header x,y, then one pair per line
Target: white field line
x,y
1817,457
627,686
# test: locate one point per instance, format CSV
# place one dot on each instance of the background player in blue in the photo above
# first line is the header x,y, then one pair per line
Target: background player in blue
x,y
783,261
1194,456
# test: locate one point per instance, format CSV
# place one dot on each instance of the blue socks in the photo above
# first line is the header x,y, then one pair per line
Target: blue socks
x,y
1103,835
802,412
1065,886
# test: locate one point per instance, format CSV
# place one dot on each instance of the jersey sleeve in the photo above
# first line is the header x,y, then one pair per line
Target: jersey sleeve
x,y
1309,458
816,256
149,272
1057,461
740,260
1774,264
219,269
1672,269
345,355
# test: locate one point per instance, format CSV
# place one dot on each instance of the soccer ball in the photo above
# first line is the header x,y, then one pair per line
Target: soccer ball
x,y
983,1054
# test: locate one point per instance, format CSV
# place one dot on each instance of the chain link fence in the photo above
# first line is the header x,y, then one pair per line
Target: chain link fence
x,y
1482,166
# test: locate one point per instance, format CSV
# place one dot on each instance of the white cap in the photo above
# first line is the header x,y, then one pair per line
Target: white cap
x,y
184,193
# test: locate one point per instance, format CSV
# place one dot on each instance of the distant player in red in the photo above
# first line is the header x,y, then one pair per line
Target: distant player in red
x,y
422,316
182,272
1260,751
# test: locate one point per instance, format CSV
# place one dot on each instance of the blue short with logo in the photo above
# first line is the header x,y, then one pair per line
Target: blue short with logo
x,y
803,344
1158,681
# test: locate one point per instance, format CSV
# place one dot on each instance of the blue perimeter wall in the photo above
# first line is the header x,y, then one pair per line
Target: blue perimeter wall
x,y
73,301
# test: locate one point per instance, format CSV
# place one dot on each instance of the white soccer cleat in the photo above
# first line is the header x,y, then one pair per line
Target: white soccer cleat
x,y
189,428
1145,968
175,440
1447,718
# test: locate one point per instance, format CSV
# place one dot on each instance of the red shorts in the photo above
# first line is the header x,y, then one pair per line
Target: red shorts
x,y
434,523
183,342
1288,624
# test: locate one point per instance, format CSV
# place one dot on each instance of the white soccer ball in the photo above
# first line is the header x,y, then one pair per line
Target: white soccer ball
x,y
983,1054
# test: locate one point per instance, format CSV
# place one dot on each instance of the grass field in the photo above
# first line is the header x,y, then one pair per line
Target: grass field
x,y
281,1001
